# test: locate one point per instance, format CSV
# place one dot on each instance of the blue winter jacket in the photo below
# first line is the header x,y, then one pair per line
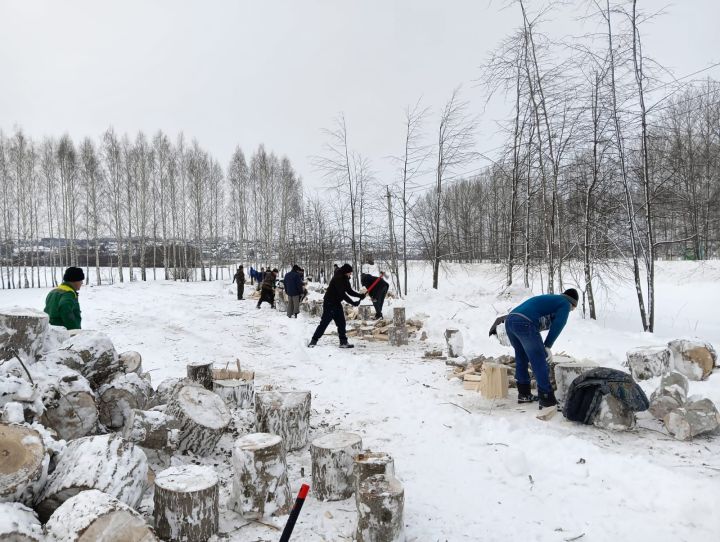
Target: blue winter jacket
x,y
293,283
547,312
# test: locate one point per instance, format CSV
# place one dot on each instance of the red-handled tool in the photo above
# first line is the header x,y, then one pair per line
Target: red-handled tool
x,y
294,513
374,284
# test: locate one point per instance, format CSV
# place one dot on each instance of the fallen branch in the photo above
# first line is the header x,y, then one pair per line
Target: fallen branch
x,y
453,404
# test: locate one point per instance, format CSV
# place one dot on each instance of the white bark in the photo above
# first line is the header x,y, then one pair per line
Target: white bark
x,y
22,331
131,361
100,360
18,523
370,463
152,429
202,373
202,417
235,392
380,505
284,413
120,396
333,456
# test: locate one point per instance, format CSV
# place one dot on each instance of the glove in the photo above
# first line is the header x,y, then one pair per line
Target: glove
x,y
356,303
362,296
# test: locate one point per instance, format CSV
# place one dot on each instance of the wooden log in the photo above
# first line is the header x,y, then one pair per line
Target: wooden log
x,y
647,362
284,413
472,381
18,523
99,359
260,481
152,429
494,381
399,317
131,361
380,507
567,371
93,516
454,341
120,396
22,331
202,417
368,464
333,457
235,392
397,336
186,503
23,461
365,312
201,372
108,463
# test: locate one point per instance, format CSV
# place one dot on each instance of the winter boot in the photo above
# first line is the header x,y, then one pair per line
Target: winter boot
x,y
379,316
347,345
547,399
312,343
524,394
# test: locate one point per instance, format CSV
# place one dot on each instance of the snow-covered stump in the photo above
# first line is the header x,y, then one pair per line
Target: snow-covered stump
x,y
235,392
166,390
369,464
494,382
380,505
284,413
613,415
399,317
99,359
365,312
202,373
695,418
151,429
397,336
566,372
108,463
54,337
454,341
22,332
18,523
333,458
120,396
671,394
202,417
260,481
23,461
186,503
93,516
693,358
648,361
131,361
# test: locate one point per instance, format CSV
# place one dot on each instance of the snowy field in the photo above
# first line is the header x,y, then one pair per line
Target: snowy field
x,y
495,473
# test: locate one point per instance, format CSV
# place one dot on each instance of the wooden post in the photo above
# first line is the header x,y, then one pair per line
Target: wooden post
x,y
332,465
202,373
284,413
186,503
494,381
380,507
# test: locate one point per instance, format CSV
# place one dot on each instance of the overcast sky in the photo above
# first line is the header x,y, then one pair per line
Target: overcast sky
x,y
275,72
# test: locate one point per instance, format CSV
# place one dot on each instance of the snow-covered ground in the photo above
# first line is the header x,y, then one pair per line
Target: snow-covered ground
x,y
493,473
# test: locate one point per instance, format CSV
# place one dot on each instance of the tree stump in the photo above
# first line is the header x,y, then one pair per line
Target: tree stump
x,y
333,457
397,336
108,463
284,413
151,429
380,507
18,523
260,482
202,417
99,359
365,312
648,362
22,461
236,393
369,464
22,331
494,381
120,396
399,317
565,373
131,361
202,373
186,503
454,341
92,516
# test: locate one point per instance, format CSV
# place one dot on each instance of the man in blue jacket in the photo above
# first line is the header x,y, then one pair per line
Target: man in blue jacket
x,y
523,326
293,282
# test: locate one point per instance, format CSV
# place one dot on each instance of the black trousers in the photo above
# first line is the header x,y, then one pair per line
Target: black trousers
x,y
331,313
241,289
267,295
377,295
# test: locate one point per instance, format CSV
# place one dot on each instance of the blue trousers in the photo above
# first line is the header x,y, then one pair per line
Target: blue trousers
x,y
529,348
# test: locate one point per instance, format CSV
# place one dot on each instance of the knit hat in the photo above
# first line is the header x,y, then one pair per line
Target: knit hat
x,y
572,295
73,274
296,268
345,269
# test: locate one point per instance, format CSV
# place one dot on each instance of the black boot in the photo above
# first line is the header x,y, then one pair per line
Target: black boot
x,y
524,394
347,345
547,399
312,343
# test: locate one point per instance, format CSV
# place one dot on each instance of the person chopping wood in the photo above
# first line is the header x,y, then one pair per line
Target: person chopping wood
x,y
338,290
267,288
523,325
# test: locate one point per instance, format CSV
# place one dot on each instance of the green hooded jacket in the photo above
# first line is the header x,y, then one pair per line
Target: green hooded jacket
x,y
63,307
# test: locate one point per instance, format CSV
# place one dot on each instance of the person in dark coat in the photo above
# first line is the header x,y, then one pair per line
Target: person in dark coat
x,y
267,288
239,279
338,290
61,304
378,293
523,326
293,282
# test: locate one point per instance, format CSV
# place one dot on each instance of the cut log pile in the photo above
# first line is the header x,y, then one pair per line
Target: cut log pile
x,y
396,331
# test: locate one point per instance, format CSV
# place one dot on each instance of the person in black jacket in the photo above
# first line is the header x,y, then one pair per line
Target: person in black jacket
x,y
267,288
338,290
293,282
378,292
239,278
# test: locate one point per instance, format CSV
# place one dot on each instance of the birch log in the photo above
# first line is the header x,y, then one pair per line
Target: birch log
x,y
399,316
99,359
23,461
202,417
380,510
284,413
202,373
22,331
260,482
131,361
186,503
333,457
370,463
120,396
236,393
18,523
152,429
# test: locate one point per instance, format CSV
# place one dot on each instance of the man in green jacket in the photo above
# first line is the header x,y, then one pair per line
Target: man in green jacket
x,y
61,304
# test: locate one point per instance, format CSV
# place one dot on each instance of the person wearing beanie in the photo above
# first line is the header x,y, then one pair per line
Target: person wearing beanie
x,y
523,325
239,279
62,304
293,282
338,290
267,288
